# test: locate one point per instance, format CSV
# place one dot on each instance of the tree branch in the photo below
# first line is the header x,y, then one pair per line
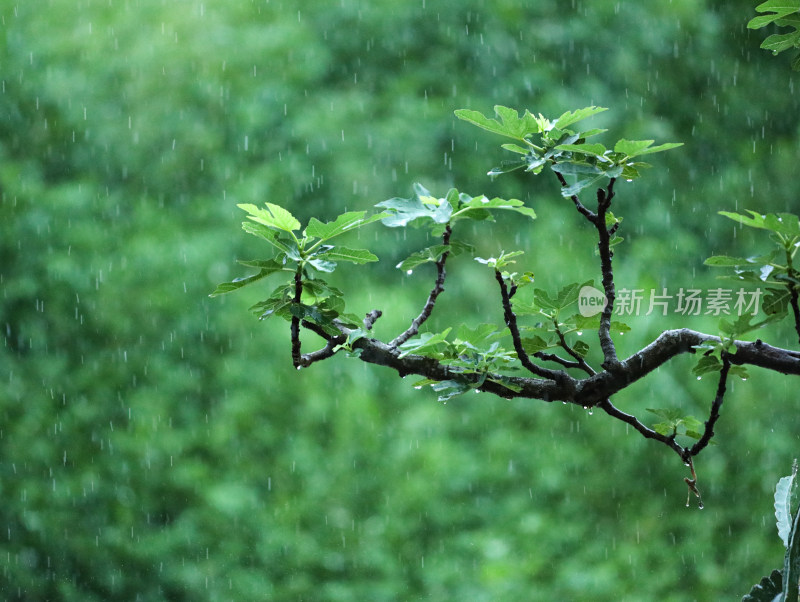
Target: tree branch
x,y
297,360
582,209
595,389
511,321
604,246
715,407
435,292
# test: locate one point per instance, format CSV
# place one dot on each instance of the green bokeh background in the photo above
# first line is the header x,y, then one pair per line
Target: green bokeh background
x,y
155,444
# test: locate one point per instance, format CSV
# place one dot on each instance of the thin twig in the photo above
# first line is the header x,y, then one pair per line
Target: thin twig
x,y
582,209
435,292
715,407
610,409
578,357
552,357
611,361
371,318
297,359
511,321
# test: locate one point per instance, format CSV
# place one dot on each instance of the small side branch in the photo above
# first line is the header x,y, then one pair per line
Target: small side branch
x,y
371,318
604,198
648,433
715,407
333,342
511,321
297,359
435,292
552,357
582,209
581,363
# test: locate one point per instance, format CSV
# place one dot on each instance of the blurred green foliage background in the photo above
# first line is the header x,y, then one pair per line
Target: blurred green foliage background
x,y
156,445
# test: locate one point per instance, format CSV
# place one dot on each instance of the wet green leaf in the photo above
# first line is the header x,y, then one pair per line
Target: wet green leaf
x,y
268,267
510,124
357,256
570,117
274,216
425,343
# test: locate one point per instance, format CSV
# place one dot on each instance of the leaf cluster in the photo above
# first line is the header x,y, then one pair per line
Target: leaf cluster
x,y
301,256
774,270
783,13
426,210
782,585
676,423
475,354
558,144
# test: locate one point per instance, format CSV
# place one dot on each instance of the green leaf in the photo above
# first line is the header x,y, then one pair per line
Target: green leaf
x,y
268,267
707,364
668,414
343,223
499,262
784,494
776,301
277,304
778,42
447,389
780,8
509,166
675,423
425,343
328,230
481,203
740,371
568,169
535,344
271,236
358,256
514,148
781,223
433,254
274,216
634,148
427,255
595,150
401,212
480,336
574,189
569,118
581,348
727,261
510,124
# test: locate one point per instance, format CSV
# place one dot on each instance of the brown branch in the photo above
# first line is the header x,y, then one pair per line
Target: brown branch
x,y
435,292
581,363
648,433
604,246
552,357
297,359
511,321
715,407
671,343
582,209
